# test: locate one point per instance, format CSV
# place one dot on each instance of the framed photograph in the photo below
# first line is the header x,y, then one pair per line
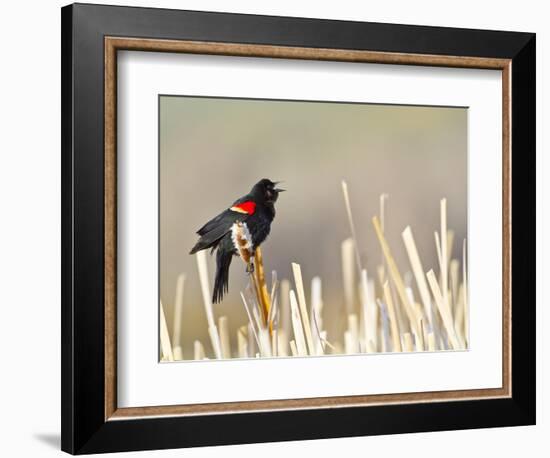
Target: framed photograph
x,y
284,228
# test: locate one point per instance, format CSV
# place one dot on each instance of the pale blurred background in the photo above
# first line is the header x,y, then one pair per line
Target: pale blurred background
x,y
213,150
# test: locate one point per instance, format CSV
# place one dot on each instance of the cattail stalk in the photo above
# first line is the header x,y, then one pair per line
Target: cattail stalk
x,y
262,291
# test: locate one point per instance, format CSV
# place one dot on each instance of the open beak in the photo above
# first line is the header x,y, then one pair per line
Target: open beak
x,y
278,189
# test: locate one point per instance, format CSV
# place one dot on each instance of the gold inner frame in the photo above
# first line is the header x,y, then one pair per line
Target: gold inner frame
x,y
114,44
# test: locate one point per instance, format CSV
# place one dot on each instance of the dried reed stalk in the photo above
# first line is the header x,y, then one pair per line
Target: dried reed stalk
x,y
198,350
353,331
205,288
431,342
395,275
284,299
178,315
459,313
251,321
407,342
299,338
348,274
454,267
242,342
294,349
444,310
165,345
370,314
465,292
444,250
282,343
418,271
351,225
364,291
394,323
316,312
296,269
224,337
178,307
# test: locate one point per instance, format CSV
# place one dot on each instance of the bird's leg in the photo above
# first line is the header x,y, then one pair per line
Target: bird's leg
x,y
250,266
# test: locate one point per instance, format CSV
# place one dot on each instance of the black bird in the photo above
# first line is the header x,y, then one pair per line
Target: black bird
x,y
238,231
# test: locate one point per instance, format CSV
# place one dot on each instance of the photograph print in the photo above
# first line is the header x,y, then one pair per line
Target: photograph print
x,y
308,228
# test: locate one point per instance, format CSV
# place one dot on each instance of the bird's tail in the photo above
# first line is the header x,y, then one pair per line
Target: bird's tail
x,y
221,282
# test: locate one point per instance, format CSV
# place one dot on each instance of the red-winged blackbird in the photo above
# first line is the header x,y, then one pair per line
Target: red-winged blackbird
x,y
238,231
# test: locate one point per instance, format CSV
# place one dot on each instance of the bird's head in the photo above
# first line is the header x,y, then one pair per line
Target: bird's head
x,y
266,190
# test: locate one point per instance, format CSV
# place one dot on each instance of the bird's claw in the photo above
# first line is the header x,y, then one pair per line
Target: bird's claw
x,y
250,268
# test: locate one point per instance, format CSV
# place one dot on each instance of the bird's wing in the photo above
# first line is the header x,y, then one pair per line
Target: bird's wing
x,y
217,227
239,211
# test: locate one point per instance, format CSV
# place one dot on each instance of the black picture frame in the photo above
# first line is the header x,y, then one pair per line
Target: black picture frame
x,y
84,427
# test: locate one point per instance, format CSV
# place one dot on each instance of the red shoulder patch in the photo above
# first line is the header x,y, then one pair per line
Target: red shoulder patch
x,y
247,207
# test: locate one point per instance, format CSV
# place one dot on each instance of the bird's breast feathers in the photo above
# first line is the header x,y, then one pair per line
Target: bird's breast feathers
x,y
242,240
246,208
